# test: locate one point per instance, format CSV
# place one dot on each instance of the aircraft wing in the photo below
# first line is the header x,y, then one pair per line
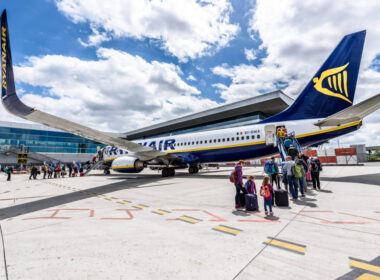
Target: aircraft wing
x,y
14,105
353,113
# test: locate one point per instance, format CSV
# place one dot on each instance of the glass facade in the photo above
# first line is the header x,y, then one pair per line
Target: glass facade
x,y
44,141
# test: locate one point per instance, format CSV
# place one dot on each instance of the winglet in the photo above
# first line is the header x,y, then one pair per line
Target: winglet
x,y
8,90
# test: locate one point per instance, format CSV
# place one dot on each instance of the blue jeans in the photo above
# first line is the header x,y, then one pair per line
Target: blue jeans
x,y
269,203
300,182
293,186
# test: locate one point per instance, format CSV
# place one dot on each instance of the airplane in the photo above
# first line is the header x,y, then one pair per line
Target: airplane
x,y
322,111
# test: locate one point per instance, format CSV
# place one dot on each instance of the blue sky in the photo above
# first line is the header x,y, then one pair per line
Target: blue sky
x,y
124,64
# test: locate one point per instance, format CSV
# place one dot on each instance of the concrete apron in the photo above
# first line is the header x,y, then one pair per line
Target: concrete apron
x,y
144,226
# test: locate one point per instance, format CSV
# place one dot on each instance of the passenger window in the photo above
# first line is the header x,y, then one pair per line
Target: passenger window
x,y
253,136
214,140
258,136
188,143
228,139
201,142
237,138
223,140
196,143
248,137
205,141
242,138
233,139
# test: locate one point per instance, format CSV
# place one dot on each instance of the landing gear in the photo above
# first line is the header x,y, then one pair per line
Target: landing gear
x,y
168,172
107,171
193,169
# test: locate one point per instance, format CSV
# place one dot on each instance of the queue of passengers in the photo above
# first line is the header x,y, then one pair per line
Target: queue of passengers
x,y
296,173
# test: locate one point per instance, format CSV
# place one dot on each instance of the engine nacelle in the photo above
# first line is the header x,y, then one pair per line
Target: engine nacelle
x,y
127,164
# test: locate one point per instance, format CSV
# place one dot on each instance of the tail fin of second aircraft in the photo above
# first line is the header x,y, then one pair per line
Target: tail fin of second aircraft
x,y
8,90
332,88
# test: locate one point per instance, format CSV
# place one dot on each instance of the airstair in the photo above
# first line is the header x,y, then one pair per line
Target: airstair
x,y
281,147
95,165
9,149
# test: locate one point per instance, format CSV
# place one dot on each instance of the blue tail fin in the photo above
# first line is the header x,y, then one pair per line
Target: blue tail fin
x,y
332,88
8,89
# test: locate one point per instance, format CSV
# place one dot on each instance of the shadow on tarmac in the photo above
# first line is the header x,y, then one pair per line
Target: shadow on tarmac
x,y
29,207
369,179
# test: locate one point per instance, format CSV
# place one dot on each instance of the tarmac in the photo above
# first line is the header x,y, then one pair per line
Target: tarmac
x,y
143,226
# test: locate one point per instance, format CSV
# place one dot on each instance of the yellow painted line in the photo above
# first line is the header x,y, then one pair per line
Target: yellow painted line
x,y
160,212
286,245
140,206
229,230
111,198
124,201
189,219
365,266
91,193
100,195
327,130
125,166
367,276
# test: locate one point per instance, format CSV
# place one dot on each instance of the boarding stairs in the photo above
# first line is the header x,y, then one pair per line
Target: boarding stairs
x,y
281,147
93,166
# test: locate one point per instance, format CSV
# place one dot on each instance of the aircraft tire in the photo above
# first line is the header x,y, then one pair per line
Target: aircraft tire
x,y
165,172
191,169
171,172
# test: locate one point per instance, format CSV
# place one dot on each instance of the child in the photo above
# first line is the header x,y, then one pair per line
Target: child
x,y
250,185
265,192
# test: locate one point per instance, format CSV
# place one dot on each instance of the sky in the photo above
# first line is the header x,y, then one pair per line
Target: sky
x,y
124,64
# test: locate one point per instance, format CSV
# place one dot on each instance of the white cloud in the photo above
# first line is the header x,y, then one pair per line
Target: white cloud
x,y
250,54
117,92
191,78
298,36
187,28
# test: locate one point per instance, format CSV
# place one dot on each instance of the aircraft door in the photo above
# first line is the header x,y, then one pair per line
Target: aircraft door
x,y
270,133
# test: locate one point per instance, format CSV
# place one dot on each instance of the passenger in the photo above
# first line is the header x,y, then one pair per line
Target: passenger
x,y
275,177
304,158
289,167
279,133
292,152
287,143
33,170
8,170
284,176
50,171
250,185
238,178
44,170
70,169
75,169
299,175
315,169
266,192
63,171
284,132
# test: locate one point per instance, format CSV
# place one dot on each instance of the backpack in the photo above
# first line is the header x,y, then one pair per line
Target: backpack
x,y
233,176
264,191
314,166
297,171
6,170
269,167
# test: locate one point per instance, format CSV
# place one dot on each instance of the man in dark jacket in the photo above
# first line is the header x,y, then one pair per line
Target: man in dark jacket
x,y
315,168
238,180
292,152
274,177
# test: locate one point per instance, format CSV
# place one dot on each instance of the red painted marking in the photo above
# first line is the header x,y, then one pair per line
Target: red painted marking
x,y
56,211
316,211
218,219
321,220
10,219
348,214
330,222
376,211
127,211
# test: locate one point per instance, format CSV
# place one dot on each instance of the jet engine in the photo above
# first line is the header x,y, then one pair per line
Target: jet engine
x,y
128,164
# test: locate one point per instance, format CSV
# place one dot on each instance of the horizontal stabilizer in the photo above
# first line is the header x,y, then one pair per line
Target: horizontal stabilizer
x,y
352,114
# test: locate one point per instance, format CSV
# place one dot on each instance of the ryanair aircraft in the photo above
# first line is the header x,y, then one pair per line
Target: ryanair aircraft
x,y
322,111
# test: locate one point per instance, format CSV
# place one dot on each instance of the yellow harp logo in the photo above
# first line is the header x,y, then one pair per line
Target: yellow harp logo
x,y
338,86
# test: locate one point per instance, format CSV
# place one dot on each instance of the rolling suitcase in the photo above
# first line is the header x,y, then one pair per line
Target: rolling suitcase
x,y
242,200
251,202
281,197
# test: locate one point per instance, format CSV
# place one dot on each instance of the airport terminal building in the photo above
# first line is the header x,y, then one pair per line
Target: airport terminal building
x,y
57,145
